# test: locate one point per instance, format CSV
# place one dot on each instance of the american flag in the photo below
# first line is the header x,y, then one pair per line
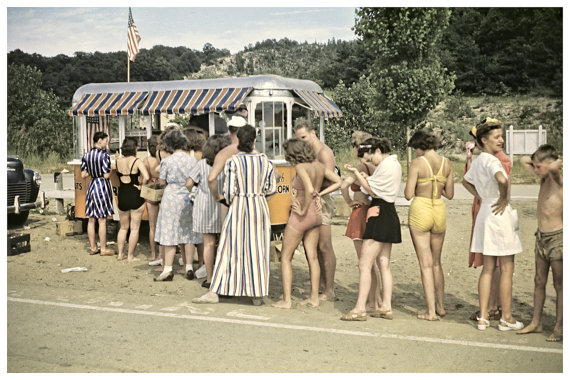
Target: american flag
x,y
133,38
96,124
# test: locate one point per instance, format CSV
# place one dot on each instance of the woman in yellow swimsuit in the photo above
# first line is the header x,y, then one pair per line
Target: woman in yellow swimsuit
x,y
427,215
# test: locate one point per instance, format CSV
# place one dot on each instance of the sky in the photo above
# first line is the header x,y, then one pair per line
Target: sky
x,y
66,30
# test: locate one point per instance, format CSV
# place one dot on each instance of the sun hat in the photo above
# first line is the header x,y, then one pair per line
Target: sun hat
x,y
237,121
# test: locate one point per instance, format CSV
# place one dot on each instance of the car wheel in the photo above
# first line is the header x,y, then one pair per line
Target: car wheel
x,y
18,219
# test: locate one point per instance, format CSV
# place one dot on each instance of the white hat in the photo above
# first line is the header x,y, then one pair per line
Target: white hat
x,y
237,121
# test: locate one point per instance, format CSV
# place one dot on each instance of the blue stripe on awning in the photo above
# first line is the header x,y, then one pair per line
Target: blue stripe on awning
x,y
102,104
319,103
194,101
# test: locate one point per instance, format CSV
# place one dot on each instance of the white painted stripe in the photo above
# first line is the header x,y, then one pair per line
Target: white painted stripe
x,y
295,327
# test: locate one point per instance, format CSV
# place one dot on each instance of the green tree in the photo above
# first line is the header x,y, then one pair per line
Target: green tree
x,y
36,122
407,72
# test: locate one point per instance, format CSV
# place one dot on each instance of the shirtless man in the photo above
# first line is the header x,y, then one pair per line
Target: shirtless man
x,y
223,155
325,252
545,164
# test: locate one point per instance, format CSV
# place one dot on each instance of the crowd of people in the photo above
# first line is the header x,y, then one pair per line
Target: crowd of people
x,y
215,202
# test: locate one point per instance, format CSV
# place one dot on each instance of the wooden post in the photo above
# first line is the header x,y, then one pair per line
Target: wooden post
x,y
511,142
540,141
408,150
58,184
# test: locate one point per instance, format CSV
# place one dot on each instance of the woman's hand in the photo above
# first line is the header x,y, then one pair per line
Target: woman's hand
x,y
350,168
296,208
469,148
499,207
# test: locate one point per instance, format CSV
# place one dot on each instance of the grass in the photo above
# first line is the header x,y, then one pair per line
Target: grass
x,y
49,163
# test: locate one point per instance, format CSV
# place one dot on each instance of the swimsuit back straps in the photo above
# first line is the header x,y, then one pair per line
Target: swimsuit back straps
x,y
439,177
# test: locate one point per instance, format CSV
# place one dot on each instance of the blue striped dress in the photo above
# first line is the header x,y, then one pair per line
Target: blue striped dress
x,y
98,200
206,217
242,260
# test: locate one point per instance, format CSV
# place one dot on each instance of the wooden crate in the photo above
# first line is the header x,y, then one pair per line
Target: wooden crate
x,y
69,227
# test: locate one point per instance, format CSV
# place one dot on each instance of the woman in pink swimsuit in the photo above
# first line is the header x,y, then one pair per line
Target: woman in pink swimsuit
x,y
305,218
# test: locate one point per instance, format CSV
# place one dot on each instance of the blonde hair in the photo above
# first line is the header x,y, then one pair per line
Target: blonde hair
x,y
359,136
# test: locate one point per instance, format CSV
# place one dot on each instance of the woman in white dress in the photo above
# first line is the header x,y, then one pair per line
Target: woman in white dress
x,y
496,232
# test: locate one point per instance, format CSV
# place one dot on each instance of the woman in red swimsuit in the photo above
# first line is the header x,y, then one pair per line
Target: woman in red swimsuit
x,y
305,218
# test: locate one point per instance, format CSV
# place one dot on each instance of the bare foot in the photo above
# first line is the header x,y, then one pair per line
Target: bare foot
x,y
310,302
531,328
282,305
159,269
121,257
427,317
133,259
327,297
181,271
440,311
556,336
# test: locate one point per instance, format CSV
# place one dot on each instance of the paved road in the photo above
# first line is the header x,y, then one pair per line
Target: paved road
x,y
517,191
78,331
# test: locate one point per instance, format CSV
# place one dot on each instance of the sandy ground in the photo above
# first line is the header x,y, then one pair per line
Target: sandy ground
x,y
37,274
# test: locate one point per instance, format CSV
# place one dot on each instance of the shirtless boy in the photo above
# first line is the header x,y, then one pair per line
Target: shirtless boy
x,y
545,164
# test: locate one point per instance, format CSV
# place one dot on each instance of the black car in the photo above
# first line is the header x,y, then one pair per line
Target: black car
x,y
23,189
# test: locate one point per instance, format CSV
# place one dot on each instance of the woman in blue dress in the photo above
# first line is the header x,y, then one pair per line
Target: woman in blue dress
x,y
98,202
174,223
242,261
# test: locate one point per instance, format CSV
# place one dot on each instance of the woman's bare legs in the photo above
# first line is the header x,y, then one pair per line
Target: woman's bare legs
x,y
209,254
124,221
200,250
374,300
369,252
383,261
135,216
310,242
422,245
485,278
506,288
188,255
291,239
438,278
152,210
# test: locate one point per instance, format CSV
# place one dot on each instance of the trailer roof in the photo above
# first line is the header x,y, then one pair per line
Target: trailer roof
x,y
267,82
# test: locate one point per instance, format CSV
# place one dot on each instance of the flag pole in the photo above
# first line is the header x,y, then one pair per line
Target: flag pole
x,y
128,68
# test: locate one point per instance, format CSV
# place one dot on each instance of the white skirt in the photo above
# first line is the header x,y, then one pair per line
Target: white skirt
x,y
496,235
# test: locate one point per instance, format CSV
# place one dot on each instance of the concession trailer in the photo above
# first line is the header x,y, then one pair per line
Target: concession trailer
x,y
135,108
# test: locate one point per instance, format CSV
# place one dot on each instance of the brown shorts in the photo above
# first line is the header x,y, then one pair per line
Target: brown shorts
x,y
548,245
328,209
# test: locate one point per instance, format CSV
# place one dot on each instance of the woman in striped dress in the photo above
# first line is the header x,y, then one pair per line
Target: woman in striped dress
x,y
242,262
98,202
206,217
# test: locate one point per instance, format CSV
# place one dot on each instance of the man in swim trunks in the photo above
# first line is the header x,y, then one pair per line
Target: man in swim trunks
x,y
327,259
546,165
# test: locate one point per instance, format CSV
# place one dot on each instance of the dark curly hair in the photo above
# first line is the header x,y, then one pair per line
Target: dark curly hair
x,y
484,128
152,144
196,140
370,145
129,147
174,140
213,145
545,152
298,151
424,140
246,136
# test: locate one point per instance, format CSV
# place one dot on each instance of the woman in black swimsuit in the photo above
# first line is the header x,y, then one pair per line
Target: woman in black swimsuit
x,y
131,205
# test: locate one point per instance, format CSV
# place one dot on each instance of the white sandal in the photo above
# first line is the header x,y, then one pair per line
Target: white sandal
x,y
510,326
483,327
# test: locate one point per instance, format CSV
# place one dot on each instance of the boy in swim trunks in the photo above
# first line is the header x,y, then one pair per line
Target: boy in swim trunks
x,y
545,164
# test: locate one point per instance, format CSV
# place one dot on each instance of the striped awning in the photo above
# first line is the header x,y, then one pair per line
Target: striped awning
x,y
319,103
113,104
194,101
